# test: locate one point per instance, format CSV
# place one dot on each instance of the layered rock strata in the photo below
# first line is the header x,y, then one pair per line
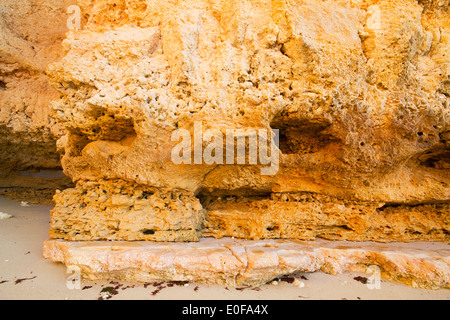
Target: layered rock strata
x,y
34,187
116,210
309,216
359,91
242,262
31,34
123,211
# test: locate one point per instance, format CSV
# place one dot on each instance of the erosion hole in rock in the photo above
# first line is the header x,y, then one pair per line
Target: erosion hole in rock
x,y
440,162
2,85
145,195
438,159
148,232
208,197
300,136
109,135
273,228
77,141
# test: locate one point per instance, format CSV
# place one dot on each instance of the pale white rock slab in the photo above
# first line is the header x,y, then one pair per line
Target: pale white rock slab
x,y
244,262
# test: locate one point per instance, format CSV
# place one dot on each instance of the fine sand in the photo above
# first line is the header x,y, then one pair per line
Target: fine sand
x,y
25,274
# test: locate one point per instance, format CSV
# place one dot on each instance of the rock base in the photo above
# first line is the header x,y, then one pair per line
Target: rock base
x,y
118,210
234,262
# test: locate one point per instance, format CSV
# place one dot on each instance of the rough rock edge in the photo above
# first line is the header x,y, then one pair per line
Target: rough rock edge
x,y
241,262
118,210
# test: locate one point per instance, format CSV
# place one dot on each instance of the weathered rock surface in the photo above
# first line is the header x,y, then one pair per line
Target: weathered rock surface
x,y
31,34
241,262
358,89
34,187
360,92
124,211
310,216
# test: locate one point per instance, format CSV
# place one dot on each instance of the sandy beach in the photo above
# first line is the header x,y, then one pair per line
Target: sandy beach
x,y
25,274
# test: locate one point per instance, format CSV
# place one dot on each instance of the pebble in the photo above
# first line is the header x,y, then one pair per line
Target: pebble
x,y
298,283
5,216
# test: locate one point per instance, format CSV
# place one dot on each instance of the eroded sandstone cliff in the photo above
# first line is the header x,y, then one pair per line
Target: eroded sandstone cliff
x,y
27,46
31,33
359,91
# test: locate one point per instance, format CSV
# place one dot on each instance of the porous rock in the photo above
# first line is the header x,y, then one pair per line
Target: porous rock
x,y
359,91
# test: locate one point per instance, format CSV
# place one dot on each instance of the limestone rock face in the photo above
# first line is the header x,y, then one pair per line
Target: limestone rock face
x,y
359,91
309,216
122,211
31,32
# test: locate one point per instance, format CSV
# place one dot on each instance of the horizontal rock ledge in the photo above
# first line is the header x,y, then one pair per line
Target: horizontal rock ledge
x,y
235,262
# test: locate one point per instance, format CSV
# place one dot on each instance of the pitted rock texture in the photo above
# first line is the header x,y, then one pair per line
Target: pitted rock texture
x,y
309,216
243,262
110,210
358,89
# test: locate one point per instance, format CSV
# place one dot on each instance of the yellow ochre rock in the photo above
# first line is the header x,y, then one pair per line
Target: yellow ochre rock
x,y
359,92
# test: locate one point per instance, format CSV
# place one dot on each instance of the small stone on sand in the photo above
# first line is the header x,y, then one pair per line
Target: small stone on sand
x,y
5,216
